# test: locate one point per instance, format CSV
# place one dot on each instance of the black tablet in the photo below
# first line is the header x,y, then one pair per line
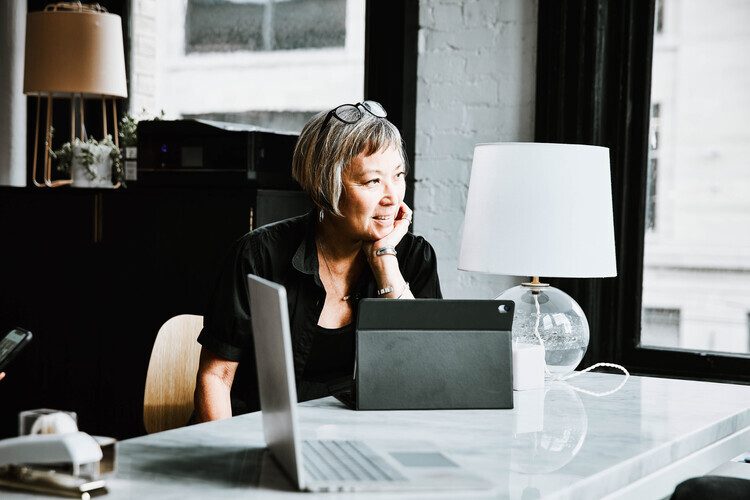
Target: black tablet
x,y
433,354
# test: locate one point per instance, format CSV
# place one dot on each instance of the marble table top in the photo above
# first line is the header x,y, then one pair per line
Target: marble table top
x,y
556,442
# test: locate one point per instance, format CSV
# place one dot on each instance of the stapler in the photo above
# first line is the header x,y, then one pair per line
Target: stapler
x,y
34,463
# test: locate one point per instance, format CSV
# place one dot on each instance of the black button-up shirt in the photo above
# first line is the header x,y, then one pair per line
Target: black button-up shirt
x,y
285,252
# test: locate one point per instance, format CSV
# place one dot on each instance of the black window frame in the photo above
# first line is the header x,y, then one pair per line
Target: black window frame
x,y
594,87
391,31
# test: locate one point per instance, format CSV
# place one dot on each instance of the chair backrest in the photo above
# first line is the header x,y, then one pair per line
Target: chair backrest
x,y
172,370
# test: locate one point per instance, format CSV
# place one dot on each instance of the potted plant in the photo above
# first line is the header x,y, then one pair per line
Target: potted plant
x,y
129,145
91,163
128,131
129,142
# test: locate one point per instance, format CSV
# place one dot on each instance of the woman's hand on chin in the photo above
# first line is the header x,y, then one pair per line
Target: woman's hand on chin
x,y
400,227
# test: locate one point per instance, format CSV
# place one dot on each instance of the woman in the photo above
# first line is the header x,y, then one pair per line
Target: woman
x,y
354,244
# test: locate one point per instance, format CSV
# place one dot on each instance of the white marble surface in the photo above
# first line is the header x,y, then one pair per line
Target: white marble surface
x,y
555,443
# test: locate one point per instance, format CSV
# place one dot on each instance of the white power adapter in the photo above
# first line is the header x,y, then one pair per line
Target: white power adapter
x,y
528,366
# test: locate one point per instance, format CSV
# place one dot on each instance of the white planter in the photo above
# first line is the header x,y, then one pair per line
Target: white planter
x,y
102,168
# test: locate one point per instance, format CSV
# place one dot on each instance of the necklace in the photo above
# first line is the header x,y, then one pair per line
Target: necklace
x,y
344,298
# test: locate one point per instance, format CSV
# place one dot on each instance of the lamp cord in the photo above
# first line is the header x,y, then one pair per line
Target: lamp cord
x,y
575,374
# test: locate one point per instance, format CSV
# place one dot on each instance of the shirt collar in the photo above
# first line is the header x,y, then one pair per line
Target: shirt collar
x,y
305,259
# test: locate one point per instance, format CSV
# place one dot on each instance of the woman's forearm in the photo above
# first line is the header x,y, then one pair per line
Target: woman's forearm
x,y
213,387
212,399
387,274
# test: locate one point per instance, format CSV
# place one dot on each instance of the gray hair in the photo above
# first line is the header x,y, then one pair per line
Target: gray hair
x,y
322,154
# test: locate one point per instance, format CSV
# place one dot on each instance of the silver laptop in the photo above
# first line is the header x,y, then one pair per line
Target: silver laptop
x,y
331,465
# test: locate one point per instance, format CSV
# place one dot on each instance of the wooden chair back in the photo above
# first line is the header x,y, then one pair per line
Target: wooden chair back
x,y
172,370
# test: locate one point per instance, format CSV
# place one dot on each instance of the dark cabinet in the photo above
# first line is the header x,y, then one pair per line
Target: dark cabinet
x,y
93,274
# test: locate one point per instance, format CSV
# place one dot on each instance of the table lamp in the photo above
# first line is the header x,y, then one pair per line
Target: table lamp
x,y
73,51
541,210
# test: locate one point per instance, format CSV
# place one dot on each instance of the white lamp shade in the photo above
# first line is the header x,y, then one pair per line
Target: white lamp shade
x,y
539,210
70,52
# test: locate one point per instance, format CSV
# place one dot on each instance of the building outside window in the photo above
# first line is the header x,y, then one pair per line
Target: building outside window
x,y
653,167
697,241
661,327
659,17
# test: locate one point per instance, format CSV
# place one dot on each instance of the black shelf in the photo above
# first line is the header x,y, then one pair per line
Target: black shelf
x,y
94,273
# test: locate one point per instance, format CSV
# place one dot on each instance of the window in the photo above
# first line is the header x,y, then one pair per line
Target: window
x,y
272,63
697,241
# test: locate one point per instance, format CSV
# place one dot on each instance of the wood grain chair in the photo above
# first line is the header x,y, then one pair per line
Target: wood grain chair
x,y
170,381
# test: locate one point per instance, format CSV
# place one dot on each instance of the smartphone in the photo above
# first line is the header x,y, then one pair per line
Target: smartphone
x,y
13,342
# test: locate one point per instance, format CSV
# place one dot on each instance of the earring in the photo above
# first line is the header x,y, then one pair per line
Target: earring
x,y
321,214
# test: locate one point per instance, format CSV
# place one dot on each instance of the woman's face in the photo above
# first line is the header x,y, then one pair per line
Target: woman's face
x,y
374,187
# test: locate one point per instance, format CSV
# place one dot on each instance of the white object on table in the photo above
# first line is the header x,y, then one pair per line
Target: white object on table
x,y
528,366
76,448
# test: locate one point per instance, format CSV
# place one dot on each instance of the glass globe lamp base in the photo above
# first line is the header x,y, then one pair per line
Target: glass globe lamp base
x,y
546,313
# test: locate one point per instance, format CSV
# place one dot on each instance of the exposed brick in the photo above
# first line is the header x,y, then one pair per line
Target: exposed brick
x,y
480,13
490,61
436,118
446,17
482,118
441,94
426,15
450,145
475,84
447,169
423,142
446,67
518,11
461,39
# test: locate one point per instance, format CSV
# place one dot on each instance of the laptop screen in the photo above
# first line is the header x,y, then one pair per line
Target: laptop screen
x,y
278,393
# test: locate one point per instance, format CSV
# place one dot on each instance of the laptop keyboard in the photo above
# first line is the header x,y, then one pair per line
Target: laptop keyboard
x,y
346,461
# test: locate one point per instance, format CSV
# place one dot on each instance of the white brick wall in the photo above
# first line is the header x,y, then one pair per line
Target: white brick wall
x,y
475,83
143,62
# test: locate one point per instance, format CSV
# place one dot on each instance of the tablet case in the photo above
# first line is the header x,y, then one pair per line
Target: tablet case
x,y
433,354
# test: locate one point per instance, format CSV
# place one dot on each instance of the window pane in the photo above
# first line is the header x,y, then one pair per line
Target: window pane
x,y
696,277
299,24
224,26
231,25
